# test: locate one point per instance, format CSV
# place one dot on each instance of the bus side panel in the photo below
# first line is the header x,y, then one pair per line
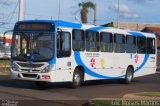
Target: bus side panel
x,y
145,65
99,66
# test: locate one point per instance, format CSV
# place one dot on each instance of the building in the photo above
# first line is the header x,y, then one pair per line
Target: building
x,y
131,25
8,38
155,30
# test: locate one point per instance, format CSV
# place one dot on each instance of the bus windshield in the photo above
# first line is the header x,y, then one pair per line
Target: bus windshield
x,y
32,46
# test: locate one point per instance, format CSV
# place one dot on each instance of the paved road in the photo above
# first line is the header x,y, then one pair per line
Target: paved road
x,y
60,94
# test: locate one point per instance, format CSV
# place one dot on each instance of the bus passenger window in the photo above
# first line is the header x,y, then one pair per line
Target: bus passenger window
x,y
106,42
63,44
78,43
141,45
130,44
151,45
119,43
92,41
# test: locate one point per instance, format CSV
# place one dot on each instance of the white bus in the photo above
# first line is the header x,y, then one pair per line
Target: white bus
x,y
60,51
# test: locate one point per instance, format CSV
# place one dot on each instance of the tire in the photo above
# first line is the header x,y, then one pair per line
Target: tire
x,y
40,84
129,76
77,78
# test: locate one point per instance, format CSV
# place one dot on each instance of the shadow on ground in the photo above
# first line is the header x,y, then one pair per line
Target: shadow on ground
x,y
7,82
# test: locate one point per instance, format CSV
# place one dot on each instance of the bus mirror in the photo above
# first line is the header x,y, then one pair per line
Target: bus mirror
x,y
59,31
4,36
4,40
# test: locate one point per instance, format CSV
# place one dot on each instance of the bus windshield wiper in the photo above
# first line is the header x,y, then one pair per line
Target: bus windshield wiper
x,y
40,34
24,34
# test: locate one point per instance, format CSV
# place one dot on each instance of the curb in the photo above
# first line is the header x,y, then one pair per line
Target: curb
x,y
4,73
129,97
3,66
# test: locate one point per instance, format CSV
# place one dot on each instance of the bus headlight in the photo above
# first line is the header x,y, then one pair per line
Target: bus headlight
x,y
14,67
48,68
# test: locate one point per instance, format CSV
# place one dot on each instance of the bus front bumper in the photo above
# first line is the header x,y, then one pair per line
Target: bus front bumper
x,y
45,77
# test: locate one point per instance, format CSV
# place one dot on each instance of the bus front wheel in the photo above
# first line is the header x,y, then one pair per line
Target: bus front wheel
x,y
77,78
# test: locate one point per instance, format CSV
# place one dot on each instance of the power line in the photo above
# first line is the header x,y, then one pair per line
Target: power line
x,y
59,10
12,14
3,3
37,15
9,16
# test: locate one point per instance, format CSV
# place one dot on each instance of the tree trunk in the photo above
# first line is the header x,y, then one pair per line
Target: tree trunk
x,y
84,17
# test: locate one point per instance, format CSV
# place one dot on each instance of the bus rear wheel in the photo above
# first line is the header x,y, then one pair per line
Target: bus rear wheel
x,y
129,76
77,78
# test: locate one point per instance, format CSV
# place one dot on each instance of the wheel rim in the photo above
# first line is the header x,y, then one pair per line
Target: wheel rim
x,y
77,79
129,76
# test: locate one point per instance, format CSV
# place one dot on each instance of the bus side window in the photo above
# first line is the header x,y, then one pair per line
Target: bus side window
x,y
141,44
63,44
150,45
78,42
106,42
130,44
92,41
119,43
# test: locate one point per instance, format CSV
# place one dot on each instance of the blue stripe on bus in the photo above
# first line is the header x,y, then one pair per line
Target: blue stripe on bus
x,y
96,28
136,33
67,24
90,72
94,74
53,61
146,55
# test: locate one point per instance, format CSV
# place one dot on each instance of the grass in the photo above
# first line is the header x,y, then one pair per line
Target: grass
x,y
121,102
3,70
150,94
4,66
4,62
101,102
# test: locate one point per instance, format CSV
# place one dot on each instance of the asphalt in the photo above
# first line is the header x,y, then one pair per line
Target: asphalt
x,y
61,94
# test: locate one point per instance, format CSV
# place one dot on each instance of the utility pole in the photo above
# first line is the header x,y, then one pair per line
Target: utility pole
x,y
118,16
95,14
21,10
59,11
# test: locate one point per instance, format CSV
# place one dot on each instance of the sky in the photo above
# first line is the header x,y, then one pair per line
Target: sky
x,y
142,11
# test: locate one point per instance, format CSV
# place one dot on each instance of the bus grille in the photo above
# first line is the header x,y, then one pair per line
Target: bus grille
x,y
29,70
28,65
29,75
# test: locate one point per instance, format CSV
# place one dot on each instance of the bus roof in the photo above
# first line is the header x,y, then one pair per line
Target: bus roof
x,y
76,25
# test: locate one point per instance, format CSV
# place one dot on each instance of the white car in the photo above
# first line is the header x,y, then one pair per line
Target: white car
x,y
5,52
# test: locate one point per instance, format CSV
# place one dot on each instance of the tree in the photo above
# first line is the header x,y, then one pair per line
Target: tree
x,y
84,10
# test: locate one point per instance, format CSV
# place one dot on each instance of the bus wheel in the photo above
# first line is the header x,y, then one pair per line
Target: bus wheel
x,y
129,76
77,78
40,84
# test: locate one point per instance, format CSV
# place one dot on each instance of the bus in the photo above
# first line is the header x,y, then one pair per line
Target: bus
x,y
59,51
